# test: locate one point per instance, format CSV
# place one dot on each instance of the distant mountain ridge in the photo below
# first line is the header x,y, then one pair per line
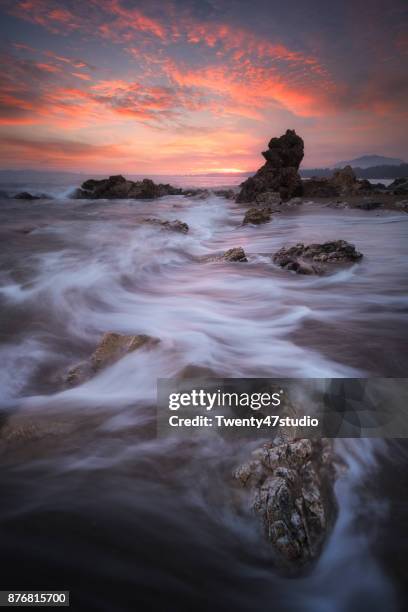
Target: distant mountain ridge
x,y
369,161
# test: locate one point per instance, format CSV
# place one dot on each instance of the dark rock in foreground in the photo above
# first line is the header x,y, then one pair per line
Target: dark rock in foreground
x,y
316,258
175,226
291,490
280,171
118,187
111,348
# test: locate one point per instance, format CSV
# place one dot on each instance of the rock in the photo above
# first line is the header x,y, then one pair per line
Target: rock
x,y
280,171
118,187
175,226
316,258
235,254
198,194
342,183
368,205
268,198
291,490
344,180
399,186
257,215
319,188
111,348
24,195
229,194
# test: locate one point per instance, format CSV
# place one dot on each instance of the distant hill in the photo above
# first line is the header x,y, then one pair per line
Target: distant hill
x,y
369,161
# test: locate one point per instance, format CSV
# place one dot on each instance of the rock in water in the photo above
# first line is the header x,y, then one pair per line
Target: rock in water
x,y
236,254
280,171
111,348
257,215
175,226
117,187
291,490
314,258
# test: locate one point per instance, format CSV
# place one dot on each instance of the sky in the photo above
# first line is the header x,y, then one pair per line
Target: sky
x,y
199,86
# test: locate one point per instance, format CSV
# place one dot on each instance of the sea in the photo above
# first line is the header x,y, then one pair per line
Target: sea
x,y
92,501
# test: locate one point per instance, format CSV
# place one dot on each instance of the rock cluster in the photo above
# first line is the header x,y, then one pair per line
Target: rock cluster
x,y
343,183
256,215
111,348
316,258
291,490
119,187
280,171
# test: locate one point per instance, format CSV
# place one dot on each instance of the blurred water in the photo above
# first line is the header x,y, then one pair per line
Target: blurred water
x,y
95,493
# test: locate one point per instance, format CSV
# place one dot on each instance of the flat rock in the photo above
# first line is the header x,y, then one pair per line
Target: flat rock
x,y
174,226
117,187
112,347
236,254
316,258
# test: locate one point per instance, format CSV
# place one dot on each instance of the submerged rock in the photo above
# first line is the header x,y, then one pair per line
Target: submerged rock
x,y
316,258
25,195
291,490
175,226
118,187
257,215
111,348
280,171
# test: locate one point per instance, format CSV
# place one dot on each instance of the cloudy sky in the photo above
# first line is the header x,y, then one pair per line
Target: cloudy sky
x,y
178,86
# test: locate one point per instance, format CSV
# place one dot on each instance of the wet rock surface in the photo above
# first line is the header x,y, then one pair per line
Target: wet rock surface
x,y
257,215
174,226
290,487
316,258
280,171
118,187
235,254
112,347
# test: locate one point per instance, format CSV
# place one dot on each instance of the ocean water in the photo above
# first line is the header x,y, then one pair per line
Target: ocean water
x,y
92,501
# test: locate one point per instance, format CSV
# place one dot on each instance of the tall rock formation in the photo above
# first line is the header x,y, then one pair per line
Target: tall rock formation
x,y
280,171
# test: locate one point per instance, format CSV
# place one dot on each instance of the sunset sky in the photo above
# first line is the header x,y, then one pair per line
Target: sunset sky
x,y
199,86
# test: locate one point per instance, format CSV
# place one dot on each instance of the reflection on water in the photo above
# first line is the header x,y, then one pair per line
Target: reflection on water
x,y
91,490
